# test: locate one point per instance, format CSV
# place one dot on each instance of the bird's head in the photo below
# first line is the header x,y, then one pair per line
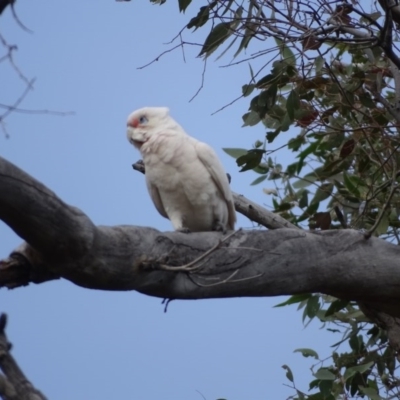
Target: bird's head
x,y
144,123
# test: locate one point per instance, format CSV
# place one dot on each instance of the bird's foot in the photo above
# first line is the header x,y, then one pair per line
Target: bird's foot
x,y
218,227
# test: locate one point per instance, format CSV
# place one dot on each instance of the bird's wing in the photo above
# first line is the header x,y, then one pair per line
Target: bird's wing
x,y
155,196
209,158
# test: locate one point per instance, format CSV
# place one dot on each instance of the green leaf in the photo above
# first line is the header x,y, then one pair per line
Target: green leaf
x,y
372,393
271,93
295,143
366,100
355,343
261,169
235,152
183,4
296,298
201,18
289,373
259,180
303,201
292,104
284,207
311,209
350,186
336,306
251,73
227,48
323,192
286,122
248,35
383,225
325,386
265,81
272,135
309,150
350,372
307,180
250,160
307,353
312,307
319,63
314,384
286,53
300,395
316,396
291,169
215,38
264,101
325,375
247,89
251,118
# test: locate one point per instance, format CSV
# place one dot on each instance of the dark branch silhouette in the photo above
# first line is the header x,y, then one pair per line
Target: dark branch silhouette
x,y
13,383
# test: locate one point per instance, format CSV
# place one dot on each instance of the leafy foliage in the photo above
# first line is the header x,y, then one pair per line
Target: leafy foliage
x,y
365,369
327,81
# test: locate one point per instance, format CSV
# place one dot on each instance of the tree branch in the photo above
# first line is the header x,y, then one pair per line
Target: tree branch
x,y
13,384
63,242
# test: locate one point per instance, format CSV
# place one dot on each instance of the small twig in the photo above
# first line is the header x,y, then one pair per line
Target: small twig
x,y
228,279
159,56
11,48
193,265
18,101
22,26
247,248
166,304
183,48
4,129
25,111
166,52
201,394
227,105
202,80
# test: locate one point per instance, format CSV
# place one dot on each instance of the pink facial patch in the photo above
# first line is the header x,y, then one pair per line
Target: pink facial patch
x,y
134,123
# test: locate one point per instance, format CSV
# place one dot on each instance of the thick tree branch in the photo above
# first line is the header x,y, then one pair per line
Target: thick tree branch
x,y
13,384
64,242
46,210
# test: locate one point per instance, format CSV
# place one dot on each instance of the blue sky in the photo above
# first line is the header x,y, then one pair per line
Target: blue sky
x,y
86,344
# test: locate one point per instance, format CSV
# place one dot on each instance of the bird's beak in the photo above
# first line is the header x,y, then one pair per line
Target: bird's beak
x,y
134,138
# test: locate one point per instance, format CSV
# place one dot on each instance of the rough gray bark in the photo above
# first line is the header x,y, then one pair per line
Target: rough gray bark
x,y
63,242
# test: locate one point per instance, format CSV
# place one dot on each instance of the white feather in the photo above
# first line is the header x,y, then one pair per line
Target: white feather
x,y
184,176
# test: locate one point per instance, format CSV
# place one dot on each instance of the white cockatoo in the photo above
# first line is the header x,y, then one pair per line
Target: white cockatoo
x,y
184,176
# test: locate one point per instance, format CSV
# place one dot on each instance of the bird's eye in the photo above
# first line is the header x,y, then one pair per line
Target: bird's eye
x,y
142,119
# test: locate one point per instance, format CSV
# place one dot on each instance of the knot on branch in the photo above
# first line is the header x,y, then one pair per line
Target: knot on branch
x,y
17,271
